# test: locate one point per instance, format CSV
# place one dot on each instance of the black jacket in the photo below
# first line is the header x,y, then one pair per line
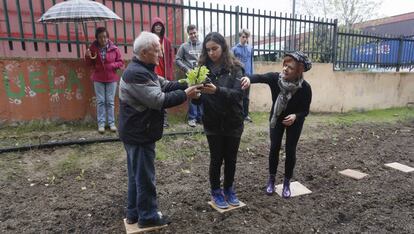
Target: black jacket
x,y
143,97
299,103
223,110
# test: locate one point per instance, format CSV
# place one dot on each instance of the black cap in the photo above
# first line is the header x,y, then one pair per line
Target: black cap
x,y
301,58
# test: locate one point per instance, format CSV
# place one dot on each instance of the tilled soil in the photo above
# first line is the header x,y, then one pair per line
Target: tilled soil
x,y
33,200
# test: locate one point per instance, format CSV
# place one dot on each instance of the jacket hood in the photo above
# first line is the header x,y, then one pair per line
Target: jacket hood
x,y
158,20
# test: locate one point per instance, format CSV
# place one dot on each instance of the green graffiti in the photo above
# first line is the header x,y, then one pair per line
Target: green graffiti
x,y
50,77
37,83
9,92
34,82
74,80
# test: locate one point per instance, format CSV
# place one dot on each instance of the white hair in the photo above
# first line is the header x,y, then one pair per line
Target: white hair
x,y
144,41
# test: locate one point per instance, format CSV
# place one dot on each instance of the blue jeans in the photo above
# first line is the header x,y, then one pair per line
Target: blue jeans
x,y
142,195
195,111
105,102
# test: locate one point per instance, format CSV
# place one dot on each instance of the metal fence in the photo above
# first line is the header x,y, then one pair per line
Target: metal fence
x,y
358,50
273,34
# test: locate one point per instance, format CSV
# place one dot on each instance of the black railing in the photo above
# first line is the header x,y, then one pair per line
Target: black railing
x,y
273,34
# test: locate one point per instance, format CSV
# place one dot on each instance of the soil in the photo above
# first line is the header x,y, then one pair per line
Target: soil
x,y
86,192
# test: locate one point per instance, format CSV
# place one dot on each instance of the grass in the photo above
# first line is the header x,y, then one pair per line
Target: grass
x,y
390,115
44,126
75,159
10,166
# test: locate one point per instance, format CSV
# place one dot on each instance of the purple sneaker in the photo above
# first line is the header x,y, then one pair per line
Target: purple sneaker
x,y
270,188
286,188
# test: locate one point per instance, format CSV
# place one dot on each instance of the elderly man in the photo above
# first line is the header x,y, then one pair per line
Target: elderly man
x,y
143,97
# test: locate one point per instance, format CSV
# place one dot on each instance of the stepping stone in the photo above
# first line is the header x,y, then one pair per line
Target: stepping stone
x,y
133,228
399,166
353,174
228,209
296,189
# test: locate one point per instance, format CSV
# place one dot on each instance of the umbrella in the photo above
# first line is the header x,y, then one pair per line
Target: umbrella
x,y
78,11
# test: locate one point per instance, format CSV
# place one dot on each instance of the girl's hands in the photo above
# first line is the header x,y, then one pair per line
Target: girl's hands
x,y
289,120
209,88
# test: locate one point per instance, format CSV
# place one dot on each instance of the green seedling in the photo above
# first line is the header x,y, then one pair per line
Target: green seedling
x,y
196,76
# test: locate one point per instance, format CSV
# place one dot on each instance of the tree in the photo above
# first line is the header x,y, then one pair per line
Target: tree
x,y
348,12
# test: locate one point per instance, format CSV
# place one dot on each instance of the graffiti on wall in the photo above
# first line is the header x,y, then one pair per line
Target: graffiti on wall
x,y
20,84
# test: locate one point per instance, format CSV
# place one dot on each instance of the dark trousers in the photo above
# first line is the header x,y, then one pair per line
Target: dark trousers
x,y
292,137
246,102
142,195
222,148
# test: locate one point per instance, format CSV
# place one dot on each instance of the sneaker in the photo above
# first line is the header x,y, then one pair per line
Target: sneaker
x,y
166,125
286,188
270,188
101,129
161,221
218,199
192,123
113,128
248,119
231,197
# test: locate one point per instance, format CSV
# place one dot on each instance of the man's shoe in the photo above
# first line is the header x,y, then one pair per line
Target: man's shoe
x,y
131,220
192,123
248,119
161,221
101,129
231,197
270,188
286,188
218,199
113,128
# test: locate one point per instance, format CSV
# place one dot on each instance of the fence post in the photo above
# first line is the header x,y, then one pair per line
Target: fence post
x,y
400,51
334,43
237,24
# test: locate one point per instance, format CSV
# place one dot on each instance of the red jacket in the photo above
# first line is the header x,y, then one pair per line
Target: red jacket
x,y
105,71
167,49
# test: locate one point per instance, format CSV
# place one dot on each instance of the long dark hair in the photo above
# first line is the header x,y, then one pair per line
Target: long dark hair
x,y
228,60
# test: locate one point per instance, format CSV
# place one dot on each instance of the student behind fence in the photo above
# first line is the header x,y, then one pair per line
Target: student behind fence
x,y
291,96
222,117
105,58
244,52
143,97
166,57
186,59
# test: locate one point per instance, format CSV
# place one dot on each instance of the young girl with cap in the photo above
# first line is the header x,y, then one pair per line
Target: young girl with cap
x,y
291,96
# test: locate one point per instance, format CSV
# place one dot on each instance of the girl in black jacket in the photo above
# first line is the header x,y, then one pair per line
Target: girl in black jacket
x,y
291,96
222,118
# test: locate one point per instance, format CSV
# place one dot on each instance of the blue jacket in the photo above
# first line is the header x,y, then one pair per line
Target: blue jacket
x,y
244,53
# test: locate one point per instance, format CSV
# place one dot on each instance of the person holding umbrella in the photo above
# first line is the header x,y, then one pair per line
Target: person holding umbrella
x,y
105,58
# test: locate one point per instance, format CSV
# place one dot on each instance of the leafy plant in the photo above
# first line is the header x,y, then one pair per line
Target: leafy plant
x,y
195,76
